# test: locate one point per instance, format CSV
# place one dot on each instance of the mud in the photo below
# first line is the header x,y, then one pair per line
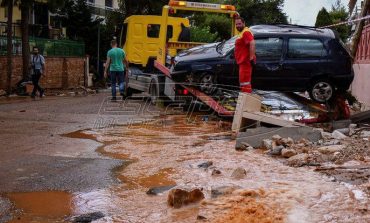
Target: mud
x,y
41,207
162,155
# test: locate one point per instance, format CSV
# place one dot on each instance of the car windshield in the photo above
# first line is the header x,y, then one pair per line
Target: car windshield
x,y
227,46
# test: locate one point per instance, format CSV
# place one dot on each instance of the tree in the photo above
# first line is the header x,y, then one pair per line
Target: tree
x,y
9,4
338,14
25,7
261,11
323,18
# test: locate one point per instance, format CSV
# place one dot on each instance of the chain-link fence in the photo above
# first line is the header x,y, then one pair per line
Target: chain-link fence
x,y
47,47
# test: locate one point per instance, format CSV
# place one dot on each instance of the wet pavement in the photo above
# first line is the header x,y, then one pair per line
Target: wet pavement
x,y
163,151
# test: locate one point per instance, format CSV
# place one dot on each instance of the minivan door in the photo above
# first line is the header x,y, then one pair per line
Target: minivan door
x,y
267,71
305,57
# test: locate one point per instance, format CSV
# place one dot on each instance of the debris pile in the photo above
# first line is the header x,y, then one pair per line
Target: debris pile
x,y
335,147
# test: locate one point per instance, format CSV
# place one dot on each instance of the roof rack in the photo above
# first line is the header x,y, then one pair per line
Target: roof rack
x,y
299,26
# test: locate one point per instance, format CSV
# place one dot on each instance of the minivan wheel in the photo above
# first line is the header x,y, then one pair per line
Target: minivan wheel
x,y
207,83
321,91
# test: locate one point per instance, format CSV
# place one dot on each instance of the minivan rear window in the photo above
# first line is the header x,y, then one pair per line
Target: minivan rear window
x,y
269,48
305,48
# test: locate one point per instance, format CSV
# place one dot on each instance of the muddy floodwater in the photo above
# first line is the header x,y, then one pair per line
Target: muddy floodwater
x,y
167,152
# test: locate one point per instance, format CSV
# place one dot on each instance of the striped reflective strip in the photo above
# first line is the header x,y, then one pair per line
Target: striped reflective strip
x,y
245,83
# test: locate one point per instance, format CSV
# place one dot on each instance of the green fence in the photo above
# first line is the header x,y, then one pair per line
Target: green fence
x,y
48,47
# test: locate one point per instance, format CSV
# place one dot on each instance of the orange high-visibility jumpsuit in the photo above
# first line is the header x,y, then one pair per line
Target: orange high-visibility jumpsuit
x,y
242,56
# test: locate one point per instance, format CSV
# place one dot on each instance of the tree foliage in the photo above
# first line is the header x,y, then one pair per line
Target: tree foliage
x,y
202,35
337,14
323,18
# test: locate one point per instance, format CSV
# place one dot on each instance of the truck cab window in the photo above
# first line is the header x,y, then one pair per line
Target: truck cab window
x,y
153,30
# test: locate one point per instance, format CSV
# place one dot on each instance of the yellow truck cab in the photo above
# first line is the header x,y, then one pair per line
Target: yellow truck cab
x,y
141,37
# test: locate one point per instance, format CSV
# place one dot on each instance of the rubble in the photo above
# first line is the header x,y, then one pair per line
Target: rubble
x,y
224,190
330,149
179,197
287,152
88,217
338,135
205,165
298,160
216,172
239,173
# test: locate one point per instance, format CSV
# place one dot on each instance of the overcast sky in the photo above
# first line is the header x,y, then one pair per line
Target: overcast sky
x,y
304,12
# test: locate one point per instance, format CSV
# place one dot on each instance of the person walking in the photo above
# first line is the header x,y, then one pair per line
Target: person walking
x,y
245,55
38,70
117,64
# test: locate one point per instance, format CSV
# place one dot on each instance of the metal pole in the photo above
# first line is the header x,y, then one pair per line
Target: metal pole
x,y
98,57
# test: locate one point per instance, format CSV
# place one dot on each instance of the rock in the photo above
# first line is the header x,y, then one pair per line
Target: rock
x,y
287,153
304,141
159,190
200,217
2,92
325,135
276,151
239,173
287,141
244,147
298,160
331,149
338,135
331,142
224,190
86,218
205,165
365,134
179,197
276,138
267,144
216,172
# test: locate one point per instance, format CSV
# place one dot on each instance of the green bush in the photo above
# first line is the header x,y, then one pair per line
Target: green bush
x,y
202,35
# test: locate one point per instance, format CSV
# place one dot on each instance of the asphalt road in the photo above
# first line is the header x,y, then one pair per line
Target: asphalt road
x,y
36,156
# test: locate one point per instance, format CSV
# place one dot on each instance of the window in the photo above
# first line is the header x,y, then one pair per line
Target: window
x,y
153,30
169,32
109,3
269,48
305,48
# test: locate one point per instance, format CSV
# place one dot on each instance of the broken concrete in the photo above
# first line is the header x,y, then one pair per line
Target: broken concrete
x,y
179,197
254,137
287,152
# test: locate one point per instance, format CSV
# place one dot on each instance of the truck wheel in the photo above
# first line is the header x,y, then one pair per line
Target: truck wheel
x,y
321,91
153,92
207,83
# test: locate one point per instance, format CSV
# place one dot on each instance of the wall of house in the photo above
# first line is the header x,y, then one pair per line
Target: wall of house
x,y
360,86
61,72
16,14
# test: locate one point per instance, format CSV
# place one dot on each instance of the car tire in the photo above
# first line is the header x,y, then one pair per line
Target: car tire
x,y
322,90
207,83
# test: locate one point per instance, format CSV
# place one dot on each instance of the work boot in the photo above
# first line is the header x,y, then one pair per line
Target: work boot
x,y
113,99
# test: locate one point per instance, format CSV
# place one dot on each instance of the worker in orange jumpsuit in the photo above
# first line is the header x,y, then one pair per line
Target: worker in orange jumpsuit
x,y
245,55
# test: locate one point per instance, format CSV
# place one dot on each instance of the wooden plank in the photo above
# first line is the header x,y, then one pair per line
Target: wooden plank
x,y
246,102
266,118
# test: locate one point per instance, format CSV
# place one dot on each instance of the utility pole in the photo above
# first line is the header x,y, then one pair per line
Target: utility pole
x,y
9,46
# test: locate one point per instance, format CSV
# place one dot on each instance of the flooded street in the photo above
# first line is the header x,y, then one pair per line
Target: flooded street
x,y
167,152
177,151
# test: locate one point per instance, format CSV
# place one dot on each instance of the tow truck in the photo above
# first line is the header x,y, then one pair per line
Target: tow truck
x,y
150,43
150,40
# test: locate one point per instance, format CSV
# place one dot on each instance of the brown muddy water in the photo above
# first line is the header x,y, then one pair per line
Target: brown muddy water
x,y
168,151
